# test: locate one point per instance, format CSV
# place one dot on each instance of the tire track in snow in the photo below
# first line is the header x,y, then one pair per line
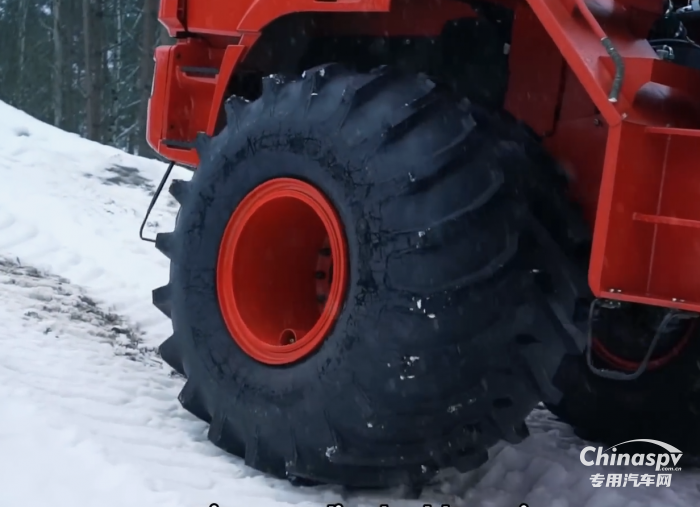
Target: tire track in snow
x,y
58,358
93,388
16,234
23,240
74,207
28,243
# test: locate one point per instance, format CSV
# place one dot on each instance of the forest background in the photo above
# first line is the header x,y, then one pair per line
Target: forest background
x,y
85,66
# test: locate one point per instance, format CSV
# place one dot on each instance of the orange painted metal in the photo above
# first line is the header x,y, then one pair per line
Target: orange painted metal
x,y
184,105
158,102
633,161
226,18
410,18
265,271
172,16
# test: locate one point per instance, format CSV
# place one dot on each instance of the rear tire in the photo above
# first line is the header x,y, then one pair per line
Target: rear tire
x,y
662,404
446,340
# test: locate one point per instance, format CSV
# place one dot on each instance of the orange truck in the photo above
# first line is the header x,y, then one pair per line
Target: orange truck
x,y
412,221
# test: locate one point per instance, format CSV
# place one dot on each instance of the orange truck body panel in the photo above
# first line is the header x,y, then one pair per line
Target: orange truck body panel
x,y
634,161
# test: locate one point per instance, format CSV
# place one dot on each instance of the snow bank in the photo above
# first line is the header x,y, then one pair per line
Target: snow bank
x,y
89,415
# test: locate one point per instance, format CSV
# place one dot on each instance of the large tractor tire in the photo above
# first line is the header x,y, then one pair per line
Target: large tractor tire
x,y
355,286
663,403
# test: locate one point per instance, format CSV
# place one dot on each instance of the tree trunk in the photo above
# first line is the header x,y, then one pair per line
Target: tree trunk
x,y
20,88
99,64
57,90
150,19
91,116
117,85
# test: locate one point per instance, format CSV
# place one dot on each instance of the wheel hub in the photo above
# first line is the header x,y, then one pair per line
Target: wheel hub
x,y
282,271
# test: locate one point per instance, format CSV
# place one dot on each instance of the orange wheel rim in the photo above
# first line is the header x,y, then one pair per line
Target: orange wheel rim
x,y
282,271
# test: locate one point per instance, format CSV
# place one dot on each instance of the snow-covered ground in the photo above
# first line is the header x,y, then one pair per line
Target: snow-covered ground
x,y
89,414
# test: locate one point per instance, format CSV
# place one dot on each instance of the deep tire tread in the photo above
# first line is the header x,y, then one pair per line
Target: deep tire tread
x,y
451,419
202,143
222,433
162,300
377,83
192,401
171,355
165,243
180,190
421,109
235,107
271,86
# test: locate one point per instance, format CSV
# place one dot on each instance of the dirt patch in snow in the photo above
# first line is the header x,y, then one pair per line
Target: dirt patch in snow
x,y
124,176
59,306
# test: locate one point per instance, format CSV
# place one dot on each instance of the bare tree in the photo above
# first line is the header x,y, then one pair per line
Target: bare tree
x,y
92,37
149,29
88,65
58,64
22,38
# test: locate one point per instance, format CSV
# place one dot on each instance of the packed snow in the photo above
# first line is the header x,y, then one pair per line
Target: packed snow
x,y
89,413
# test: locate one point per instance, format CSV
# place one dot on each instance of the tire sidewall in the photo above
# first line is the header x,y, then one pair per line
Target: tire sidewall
x,y
237,164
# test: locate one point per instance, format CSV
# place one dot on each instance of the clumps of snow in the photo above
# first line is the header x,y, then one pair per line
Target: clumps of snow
x,y
419,305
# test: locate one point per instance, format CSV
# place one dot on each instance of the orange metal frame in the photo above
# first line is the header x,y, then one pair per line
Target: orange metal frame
x,y
633,159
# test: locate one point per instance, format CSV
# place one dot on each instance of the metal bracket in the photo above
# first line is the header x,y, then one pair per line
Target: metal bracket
x,y
153,202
